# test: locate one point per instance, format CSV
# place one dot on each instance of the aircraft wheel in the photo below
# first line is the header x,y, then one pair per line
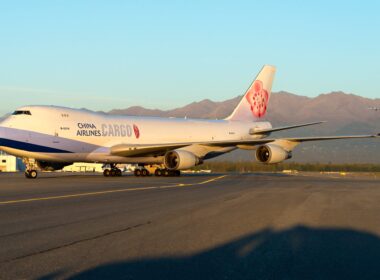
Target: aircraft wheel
x,y
137,172
113,173
144,172
32,174
158,172
118,173
106,172
177,173
166,173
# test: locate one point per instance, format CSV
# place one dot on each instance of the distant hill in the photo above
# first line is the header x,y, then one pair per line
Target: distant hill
x,y
204,109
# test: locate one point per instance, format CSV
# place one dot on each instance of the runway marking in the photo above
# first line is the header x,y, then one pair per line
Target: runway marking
x,y
107,192
319,175
193,184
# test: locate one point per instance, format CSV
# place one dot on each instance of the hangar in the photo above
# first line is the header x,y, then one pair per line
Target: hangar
x,y
10,163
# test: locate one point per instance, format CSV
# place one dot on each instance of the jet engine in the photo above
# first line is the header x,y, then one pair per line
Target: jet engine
x,y
272,154
51,166
180,159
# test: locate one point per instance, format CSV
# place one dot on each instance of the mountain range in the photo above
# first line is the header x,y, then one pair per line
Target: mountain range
x,y
344,114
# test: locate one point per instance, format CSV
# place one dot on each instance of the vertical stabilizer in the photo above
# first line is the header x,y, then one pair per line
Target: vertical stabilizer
x,y
253,105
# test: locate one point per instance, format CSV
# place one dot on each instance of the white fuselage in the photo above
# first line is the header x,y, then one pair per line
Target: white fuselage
x,y
69,135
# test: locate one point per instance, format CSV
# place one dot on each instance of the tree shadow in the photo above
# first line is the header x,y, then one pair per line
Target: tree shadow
x,y
296,253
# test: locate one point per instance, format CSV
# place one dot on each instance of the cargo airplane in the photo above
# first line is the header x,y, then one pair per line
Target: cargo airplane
x,y
50,137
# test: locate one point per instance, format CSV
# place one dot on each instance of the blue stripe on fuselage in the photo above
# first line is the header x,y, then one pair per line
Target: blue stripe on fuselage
x,y
29,147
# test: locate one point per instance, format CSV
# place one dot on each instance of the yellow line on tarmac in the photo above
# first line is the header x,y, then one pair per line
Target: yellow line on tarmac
x,y
107,192
194,184
211,180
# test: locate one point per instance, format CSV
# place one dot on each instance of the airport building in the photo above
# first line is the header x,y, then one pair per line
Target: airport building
x,y
94,167
84,167
10,163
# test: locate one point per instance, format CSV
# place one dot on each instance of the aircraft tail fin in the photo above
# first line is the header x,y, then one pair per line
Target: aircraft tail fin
x,y
253,105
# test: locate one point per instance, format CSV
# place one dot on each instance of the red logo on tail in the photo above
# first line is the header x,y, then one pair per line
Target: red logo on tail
x,y
136,130
258,97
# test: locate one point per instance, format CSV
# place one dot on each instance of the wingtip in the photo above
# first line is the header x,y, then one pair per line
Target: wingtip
x,y
319,122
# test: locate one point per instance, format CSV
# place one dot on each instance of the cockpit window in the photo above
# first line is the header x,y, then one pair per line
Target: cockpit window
x,y
22,113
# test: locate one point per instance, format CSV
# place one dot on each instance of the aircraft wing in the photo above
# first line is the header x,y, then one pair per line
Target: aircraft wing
x,y
128,150
321,138
263,131
296,140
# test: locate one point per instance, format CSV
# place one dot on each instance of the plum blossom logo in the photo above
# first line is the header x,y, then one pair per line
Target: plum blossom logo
x,y
258,97
136,131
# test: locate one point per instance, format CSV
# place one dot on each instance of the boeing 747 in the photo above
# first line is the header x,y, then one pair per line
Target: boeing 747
x,y
49,137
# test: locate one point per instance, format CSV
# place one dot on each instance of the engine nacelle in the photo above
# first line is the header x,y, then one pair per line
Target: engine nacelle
x,y
180,159
272,154
51,166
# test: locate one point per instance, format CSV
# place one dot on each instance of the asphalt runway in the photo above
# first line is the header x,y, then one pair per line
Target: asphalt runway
x,y
214,226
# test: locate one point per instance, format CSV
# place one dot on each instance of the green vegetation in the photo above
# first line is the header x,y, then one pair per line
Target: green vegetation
x,y
246,166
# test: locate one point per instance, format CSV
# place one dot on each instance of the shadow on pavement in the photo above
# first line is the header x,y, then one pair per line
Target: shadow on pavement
x,y
297,253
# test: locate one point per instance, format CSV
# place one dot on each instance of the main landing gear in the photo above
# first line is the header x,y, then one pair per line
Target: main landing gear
x,y
31,168
112,172
143,171
167,173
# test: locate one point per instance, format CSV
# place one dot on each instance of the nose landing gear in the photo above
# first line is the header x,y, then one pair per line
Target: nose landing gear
x,y
31,168
31,174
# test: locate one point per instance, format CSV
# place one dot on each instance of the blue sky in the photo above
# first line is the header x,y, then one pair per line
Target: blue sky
x,y
163,54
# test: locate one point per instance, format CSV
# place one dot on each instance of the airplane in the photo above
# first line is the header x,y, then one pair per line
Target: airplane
x,y
51,137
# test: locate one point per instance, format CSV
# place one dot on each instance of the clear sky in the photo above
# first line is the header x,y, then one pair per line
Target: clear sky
x,y
163,54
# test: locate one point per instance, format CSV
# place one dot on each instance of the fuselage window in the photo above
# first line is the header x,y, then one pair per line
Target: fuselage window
x,y
22,113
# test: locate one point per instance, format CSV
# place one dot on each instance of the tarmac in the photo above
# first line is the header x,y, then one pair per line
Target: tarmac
x,y
212,226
